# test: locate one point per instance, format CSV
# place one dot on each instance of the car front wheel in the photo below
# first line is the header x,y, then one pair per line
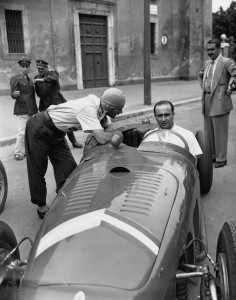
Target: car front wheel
x,y
226,260
8,288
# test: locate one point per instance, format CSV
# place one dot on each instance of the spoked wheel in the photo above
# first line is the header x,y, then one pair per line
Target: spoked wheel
x,y
3,186
8,288
226,259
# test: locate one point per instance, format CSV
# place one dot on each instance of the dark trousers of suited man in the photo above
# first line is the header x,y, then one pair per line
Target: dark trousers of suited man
x,y
218,128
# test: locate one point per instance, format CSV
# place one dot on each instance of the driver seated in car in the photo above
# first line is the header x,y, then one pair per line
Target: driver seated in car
x,y
164,114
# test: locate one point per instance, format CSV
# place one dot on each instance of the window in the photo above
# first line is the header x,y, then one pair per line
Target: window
x,y
152,33
154,28
14,28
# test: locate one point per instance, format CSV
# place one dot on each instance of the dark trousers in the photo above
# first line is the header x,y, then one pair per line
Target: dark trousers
x,y
42,141
71,137
218,128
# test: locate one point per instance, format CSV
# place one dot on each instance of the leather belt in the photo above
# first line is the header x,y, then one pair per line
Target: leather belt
x,y
51,125
208,92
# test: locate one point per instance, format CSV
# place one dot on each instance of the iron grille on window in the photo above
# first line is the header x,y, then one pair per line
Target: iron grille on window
x,y
14,28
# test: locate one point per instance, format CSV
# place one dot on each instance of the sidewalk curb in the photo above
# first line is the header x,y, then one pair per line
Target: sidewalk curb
x,y
126,115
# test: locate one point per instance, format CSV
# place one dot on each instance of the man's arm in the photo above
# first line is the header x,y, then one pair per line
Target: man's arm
x,y
103,137
52,76
15,93
231,68
200,77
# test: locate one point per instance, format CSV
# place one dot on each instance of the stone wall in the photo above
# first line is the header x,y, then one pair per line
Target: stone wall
x,y
51,32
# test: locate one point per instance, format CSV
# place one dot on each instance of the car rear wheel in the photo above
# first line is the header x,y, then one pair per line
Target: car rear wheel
x,y
8,288
204,163
3,186
226,259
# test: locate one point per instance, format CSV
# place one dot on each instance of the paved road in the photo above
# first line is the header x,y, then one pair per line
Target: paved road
x,y
178,90
219,204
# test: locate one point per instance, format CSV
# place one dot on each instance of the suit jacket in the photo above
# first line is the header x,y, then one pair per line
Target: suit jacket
x,y
224,77
25,103
49,90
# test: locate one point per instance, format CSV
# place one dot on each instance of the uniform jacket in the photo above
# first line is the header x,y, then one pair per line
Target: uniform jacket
x,y
25,103
49,90
224,76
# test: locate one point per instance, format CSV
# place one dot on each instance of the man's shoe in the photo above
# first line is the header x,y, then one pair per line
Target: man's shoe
x,y
42,211
18,156
221,164
77,145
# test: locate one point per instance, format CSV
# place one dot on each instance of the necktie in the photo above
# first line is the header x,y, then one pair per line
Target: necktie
x,y
209,78
28,79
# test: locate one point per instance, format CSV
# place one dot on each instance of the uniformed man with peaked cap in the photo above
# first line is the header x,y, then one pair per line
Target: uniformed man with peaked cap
x,y
22,91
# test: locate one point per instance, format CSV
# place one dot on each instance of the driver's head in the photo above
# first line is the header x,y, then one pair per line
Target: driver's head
x,y
113,101
164,114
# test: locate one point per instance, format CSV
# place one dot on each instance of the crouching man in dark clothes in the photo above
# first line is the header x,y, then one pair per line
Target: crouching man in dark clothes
x,y
45,138
47,88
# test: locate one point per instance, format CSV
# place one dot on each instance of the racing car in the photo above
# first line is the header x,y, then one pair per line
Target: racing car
x,y
127,224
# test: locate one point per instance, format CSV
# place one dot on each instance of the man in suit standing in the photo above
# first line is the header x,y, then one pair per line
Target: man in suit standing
x,y
218,81
22,90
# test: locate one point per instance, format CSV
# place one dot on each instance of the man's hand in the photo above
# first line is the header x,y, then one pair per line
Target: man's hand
x,y
16,94
117,139
38,80
228,92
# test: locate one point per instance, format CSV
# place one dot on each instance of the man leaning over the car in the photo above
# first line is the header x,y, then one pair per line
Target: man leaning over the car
x,y
164,114
45,138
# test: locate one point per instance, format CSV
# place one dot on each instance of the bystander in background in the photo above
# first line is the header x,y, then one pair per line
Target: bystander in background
x,y
217,80
22,90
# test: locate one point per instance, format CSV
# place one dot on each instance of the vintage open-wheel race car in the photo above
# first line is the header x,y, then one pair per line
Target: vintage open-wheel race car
x,y
127,224
3,186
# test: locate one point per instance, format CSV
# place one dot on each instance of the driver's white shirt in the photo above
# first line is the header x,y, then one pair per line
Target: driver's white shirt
x,y
194,147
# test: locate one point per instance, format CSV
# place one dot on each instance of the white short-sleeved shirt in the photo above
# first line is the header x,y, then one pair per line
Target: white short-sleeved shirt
x,y
84,113
194,147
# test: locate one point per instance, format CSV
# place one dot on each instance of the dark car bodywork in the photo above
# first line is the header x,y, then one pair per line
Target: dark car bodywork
x,y
127,224
118,227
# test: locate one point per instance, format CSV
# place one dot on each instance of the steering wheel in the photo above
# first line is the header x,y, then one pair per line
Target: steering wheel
x,y
165,134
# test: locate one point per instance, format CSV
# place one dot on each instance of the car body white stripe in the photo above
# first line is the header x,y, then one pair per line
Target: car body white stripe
x,y
132,231
71,227
88,221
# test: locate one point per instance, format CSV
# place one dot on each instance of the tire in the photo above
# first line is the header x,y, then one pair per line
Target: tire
x,y
204,163
226,259
8,239
9,287
3,186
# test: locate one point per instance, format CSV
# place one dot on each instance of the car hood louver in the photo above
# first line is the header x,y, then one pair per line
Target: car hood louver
x,y
141,193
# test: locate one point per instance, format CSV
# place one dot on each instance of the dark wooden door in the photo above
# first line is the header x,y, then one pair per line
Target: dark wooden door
x,y
93,36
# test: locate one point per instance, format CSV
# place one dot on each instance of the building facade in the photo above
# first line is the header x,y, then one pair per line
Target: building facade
x,y
94,43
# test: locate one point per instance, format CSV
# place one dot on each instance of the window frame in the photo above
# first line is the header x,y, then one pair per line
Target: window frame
x,y
4,40
154,19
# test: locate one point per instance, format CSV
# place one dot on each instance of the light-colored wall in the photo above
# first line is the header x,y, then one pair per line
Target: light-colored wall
x,y
51,32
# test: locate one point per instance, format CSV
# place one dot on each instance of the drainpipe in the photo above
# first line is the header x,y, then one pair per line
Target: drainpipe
x,y
52,31
146,53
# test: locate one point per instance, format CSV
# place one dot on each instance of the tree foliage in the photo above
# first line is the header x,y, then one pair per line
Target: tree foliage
x,y
224,22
